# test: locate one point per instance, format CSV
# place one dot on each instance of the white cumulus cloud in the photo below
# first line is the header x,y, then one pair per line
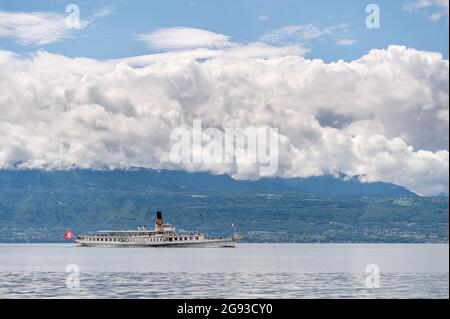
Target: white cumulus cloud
x,y
41,28
302,34
383,116
435,9
179,38
346,41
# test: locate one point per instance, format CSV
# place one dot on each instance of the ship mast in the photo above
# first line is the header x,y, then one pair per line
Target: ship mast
x,y
203,224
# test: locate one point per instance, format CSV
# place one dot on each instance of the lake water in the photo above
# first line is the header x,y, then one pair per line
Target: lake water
x,y
247,271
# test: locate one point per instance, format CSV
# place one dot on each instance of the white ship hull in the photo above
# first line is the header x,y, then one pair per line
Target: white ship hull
x,y
206,243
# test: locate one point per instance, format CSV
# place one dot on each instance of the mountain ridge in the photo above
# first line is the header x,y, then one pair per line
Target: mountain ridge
x,y
39,206
199,181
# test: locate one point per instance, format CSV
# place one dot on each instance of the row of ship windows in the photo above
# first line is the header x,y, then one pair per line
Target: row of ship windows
x,y
185,238
152,239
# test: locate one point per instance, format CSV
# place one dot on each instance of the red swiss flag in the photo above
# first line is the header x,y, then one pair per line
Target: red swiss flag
x,y
68,235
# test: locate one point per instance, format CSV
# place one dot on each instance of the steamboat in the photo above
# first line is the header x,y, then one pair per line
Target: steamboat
x,y
162,235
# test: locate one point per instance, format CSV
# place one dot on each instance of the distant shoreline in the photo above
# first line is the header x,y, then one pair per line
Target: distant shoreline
x,y
264,243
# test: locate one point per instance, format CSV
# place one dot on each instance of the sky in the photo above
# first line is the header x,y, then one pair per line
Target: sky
x,y
347,97
113,35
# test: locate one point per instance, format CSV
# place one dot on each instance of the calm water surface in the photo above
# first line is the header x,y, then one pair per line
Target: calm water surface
x,y
248,271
